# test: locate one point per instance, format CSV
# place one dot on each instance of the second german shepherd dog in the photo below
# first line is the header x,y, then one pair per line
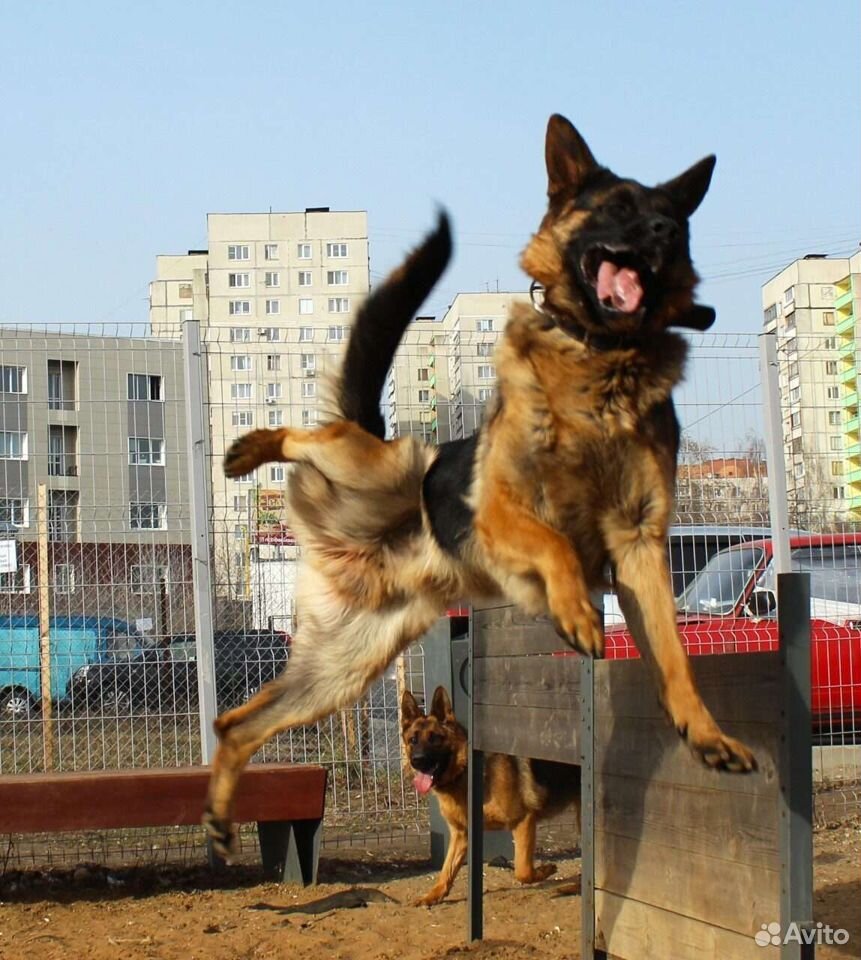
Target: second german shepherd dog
x,y
517,792
572,472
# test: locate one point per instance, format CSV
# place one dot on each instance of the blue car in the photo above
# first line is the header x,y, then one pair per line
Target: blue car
x,y
75,644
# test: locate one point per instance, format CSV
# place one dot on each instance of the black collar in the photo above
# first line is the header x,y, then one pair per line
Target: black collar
x,y
591,340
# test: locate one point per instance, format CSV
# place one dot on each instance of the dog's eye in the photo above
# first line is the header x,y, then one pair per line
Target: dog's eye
x,y
414,739
620,208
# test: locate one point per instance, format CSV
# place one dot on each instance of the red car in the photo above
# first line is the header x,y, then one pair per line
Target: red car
x,y
730,607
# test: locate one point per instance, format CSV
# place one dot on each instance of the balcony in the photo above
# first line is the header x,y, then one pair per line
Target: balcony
x,y
848,375
844,296
845,323
850,399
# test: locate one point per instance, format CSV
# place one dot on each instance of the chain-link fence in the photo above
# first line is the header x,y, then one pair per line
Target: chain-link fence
x,y
96,508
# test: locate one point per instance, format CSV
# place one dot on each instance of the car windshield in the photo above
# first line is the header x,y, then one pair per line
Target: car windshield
x,y
719,586
123,646
835,579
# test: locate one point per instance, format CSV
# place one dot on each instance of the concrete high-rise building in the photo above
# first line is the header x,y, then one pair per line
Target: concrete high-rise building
x,y
812,306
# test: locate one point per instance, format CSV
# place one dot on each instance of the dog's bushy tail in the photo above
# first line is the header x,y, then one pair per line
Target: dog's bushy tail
x,y
380,324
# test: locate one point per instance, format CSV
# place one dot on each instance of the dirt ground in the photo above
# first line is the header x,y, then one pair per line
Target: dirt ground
x,y
360,911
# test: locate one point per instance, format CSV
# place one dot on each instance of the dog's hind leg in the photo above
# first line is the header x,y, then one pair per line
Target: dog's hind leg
x,y
525,870
333,660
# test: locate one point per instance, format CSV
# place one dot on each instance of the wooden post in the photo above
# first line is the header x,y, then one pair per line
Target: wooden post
x,y
44,627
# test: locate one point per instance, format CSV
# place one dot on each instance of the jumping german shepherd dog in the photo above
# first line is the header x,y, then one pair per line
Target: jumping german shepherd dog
x,y
571,473
517,792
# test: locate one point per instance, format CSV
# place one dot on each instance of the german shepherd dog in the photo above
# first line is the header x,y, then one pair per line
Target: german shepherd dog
x,y
517,792
572,472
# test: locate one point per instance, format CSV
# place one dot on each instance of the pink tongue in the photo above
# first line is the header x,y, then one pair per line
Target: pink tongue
x,y
619,285
423,782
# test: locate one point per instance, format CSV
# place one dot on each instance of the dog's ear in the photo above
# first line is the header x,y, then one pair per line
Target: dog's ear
x,y
410,709
699,317
569,160
688,189
441,705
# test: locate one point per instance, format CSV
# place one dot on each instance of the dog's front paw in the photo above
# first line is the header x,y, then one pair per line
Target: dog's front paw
x,y
537,874
715,748
579,625
250,450
433,896
221,834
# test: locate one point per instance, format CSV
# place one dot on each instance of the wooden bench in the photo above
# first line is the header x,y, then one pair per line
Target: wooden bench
x,y
285,800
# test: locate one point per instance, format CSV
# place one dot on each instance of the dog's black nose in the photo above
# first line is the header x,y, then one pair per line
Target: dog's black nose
x,y
663,228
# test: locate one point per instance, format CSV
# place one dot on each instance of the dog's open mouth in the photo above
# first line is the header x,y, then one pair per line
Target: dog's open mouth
x,y
423,782
618,277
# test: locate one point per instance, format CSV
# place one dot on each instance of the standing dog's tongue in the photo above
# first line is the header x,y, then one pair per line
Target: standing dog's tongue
x,y
620,285
423,782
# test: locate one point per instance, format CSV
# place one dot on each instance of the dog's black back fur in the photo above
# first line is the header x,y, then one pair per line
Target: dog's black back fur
x,y
444,489
381,323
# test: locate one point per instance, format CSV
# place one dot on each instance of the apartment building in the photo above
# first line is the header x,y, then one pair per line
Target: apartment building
x,y
99,422
812,305
276,294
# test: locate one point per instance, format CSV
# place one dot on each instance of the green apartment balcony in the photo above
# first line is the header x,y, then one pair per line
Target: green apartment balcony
x,y
851,425
845,323
850,400
847,349
853,449
844,295
849,374
853,475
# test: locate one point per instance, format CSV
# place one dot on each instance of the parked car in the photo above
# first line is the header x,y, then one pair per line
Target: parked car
x,y
75,644
731,607
163,678
689,549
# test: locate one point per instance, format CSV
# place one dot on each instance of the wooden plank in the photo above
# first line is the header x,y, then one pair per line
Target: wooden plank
x,y
526,732
632,930
735,687
652,750
146,798
517,639
739,827
543,682
734,896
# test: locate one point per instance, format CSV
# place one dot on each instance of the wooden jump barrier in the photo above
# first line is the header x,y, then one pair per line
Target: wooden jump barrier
x,y
677,860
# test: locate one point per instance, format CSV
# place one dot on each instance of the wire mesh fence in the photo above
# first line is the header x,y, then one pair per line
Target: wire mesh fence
x,y
95,534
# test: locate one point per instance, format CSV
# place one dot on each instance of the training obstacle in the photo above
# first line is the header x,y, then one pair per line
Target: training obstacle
x,y
678,860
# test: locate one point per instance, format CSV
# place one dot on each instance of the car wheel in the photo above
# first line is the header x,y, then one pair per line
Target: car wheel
x,y
117,702
16,705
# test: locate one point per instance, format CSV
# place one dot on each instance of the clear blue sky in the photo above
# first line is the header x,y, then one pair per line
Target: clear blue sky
x,y
124,124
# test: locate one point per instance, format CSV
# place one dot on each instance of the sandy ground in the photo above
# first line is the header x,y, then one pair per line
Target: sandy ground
x,y
360,911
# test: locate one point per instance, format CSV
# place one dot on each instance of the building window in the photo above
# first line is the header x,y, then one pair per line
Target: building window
x,y
795,394
789,295
836,468
273,392
239,532
309,418
148,516
272,279
307,361
423,374
424,396
241,391
337,278
238,279
273,362
273,307
339,304
835,443
240,504
13,379
798,471
270,251
304,278
833,393
486,371
838,493
336,249
185,291
830,343
240,362
484,394
146,578
237,251
831,367
828,318
239,308
272,334
306,334
246,478
276,473
770,313
303,251
144,386
16,581
15,511
485,325
484,349
276,418
240,334
146,451
306,305
336,334
797,445
795,420
309,389
64,578
242,418
13,445
186,315
834,418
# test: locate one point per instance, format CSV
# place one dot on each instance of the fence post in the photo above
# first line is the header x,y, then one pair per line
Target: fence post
x,y
198,483
775,462
45,652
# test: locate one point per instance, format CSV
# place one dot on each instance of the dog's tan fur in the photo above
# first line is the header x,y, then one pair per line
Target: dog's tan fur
x,y
574,469
514,799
